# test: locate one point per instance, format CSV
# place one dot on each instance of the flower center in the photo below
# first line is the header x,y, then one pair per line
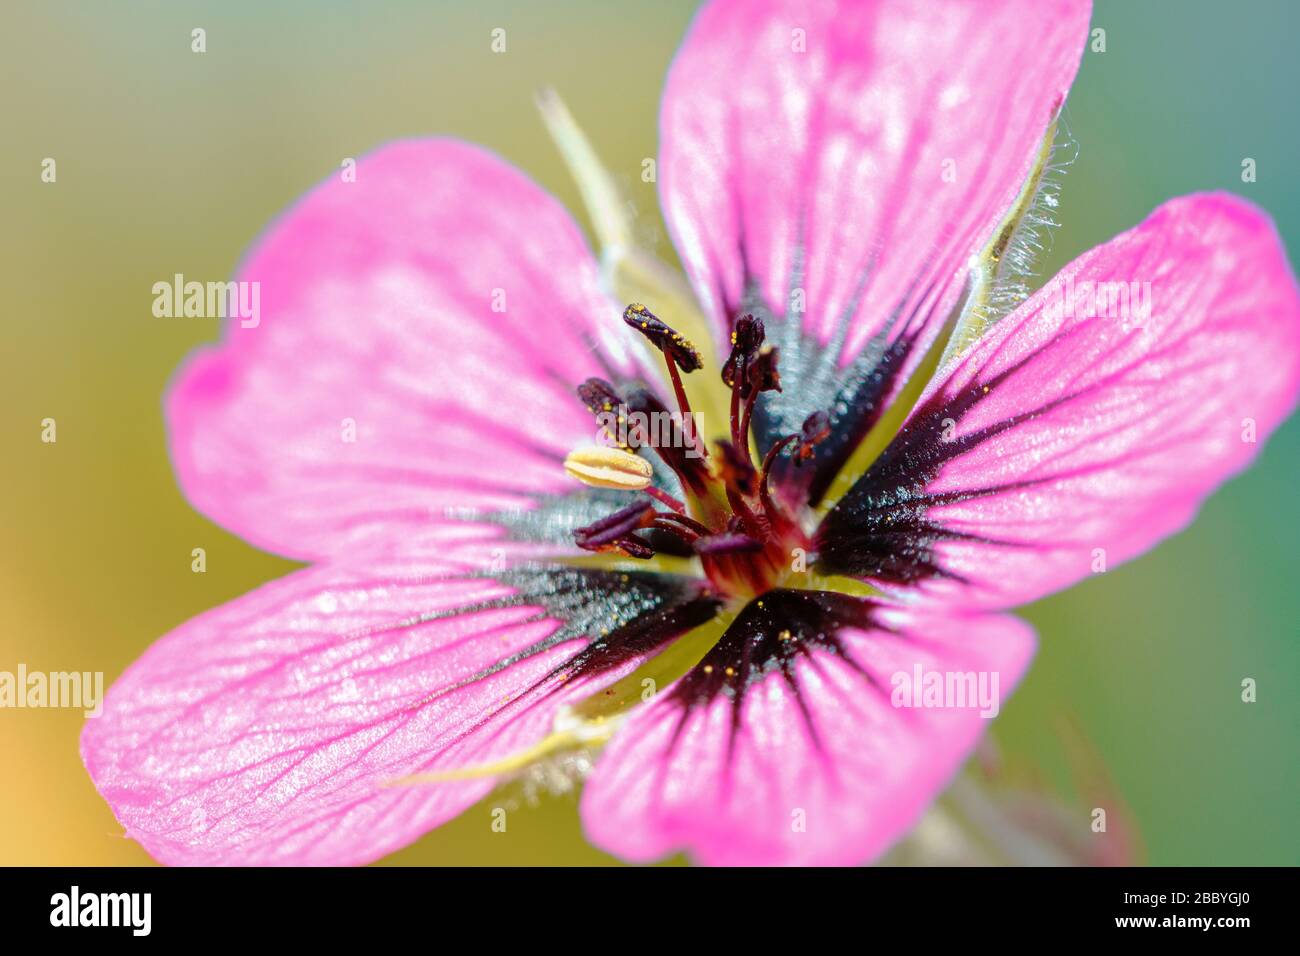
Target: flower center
x,y
747,540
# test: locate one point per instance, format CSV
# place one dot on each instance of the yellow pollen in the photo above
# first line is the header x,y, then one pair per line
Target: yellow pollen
x,y
608,468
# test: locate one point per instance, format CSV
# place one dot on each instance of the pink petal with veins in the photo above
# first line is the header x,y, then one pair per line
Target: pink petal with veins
x,y
831,775
859,152
1072,438
421,332
265,731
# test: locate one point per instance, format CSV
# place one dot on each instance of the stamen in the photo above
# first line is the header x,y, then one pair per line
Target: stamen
x,y
665,498
727,544
739,531
634,547
664,522
678,354
639,514
609,468
663,337
683,521
736,438
764,492
603,402
689,470
746,339
816,429
616,531
770,457
749,369
761,376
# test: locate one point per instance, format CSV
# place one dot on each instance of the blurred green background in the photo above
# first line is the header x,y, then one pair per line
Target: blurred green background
x,y
173,162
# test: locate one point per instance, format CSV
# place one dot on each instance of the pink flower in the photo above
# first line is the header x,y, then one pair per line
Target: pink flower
x,y
850,187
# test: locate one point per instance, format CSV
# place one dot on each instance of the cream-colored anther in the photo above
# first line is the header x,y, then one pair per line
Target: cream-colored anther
x,y
608,468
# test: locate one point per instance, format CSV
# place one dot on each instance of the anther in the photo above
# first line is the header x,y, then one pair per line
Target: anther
x,y
599,396
609,468
726,543
608,407
746,340
763,375
616,531
815,430
663,337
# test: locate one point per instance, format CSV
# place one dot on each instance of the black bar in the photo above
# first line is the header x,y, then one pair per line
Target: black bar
x,y
455,908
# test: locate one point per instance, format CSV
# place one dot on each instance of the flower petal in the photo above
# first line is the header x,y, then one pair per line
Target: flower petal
x,y
1079,432
421,332
269,730
834,166
799,756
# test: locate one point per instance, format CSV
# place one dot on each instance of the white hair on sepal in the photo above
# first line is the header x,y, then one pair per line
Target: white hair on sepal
x,y
1031,238
555,775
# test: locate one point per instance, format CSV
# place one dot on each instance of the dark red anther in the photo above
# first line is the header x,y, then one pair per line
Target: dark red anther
x,y
680,524
663,337
615,529
763,376
599,396
726,544
634,547
815,430
746,340
603,402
